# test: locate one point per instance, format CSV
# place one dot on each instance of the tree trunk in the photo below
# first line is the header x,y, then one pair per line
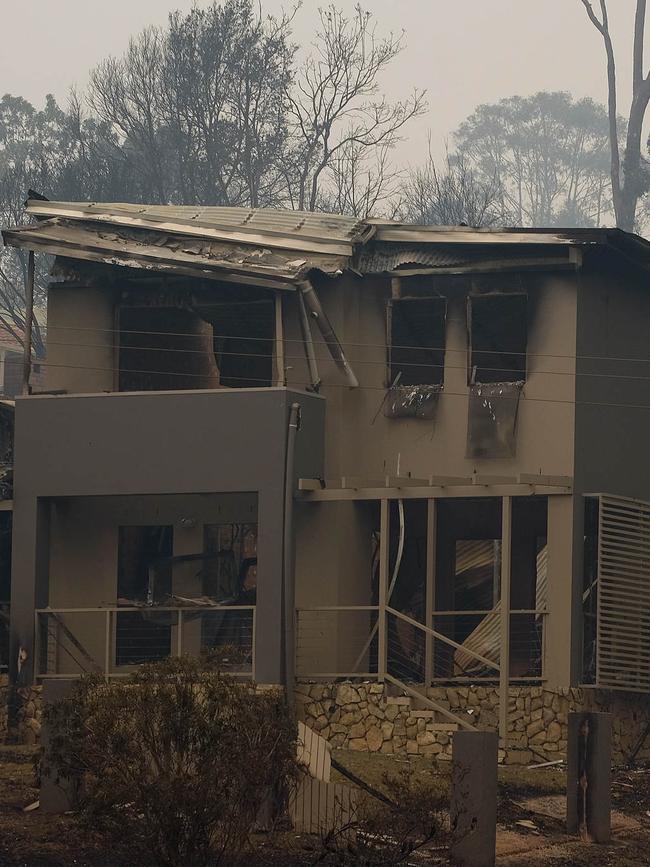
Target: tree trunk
x,y
632,187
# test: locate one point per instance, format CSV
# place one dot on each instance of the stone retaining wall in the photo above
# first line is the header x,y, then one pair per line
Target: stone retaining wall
x,y
365,717
26,725
29,715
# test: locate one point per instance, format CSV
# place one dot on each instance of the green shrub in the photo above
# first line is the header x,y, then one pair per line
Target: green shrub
x,y
177,759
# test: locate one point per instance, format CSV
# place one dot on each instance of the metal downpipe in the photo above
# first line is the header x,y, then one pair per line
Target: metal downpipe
x,y
308,342
289,584
325,326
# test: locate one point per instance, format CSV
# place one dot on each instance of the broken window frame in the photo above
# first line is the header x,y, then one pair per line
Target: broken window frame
x,y
415,399
498,404
519,374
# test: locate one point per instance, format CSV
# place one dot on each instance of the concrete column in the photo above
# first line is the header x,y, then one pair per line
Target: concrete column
x,y
559,644
56,795
473,809
589,776
29,581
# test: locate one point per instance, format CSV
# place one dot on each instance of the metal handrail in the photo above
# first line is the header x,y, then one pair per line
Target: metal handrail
x,y
440,637
337,608
128,609
486,611
109,610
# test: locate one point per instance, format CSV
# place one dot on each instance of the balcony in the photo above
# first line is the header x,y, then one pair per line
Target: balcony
x,y
113,641
90,466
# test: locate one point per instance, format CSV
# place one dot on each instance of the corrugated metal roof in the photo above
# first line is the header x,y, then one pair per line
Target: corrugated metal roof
x,y
327,233
156,250
279,247
377,258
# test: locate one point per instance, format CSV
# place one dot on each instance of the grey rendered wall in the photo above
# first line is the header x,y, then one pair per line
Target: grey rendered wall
x,y
613,383
361,442
612,393
158,443
360,445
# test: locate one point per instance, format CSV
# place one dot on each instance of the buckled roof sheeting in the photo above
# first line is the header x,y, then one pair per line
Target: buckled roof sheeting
x,y
379,258
279,248
162,251
327,233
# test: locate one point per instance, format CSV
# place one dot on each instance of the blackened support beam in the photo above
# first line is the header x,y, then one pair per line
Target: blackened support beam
x,y
589,776
473,809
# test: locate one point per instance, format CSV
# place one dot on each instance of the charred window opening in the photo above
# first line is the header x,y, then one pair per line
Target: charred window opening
x,y
416,356
498,332
144,574
165,349
244,335
417,340
205,345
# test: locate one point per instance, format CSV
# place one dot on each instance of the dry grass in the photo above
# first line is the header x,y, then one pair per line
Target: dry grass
x,y
36,840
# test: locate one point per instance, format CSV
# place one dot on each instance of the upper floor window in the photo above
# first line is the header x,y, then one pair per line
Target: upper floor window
x,y
498,335
218,340
416,329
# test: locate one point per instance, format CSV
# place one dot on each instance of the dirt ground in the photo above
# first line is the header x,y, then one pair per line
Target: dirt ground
x,y
534,798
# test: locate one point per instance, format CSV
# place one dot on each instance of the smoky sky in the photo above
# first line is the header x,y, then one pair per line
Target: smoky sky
x,y
464,52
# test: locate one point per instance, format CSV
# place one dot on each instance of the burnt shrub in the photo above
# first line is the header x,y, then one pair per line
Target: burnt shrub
x,y
410,823
177,759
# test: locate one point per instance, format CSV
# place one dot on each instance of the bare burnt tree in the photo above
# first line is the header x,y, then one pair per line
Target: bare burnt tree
x,y
126,94
200,106
629,177
335,104
64,154
34,145
453,195
225,74
362,182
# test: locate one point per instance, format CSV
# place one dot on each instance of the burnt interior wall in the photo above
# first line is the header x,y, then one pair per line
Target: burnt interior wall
x,y
165,350
244,332
116,328
195,337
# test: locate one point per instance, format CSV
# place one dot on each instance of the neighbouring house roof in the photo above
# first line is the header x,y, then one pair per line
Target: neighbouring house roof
x,y
279,248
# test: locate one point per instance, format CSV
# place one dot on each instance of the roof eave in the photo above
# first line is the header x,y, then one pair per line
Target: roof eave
x,y
26,238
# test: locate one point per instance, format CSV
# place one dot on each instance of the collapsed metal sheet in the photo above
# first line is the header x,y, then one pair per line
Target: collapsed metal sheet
x,y
162,251
413,401
492,419
379,258
267,227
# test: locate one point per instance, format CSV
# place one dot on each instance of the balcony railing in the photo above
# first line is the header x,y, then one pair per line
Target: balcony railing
x,y
460,647
114,640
